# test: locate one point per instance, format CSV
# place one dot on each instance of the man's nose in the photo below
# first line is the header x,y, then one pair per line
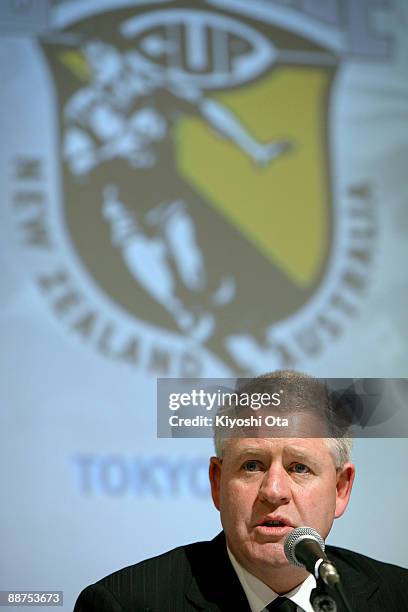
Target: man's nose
x,y
275,486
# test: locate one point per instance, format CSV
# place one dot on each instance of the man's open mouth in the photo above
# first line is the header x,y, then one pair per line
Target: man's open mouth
x,y
274,522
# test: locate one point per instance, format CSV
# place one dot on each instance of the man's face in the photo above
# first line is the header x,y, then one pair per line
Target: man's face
x,y
262,480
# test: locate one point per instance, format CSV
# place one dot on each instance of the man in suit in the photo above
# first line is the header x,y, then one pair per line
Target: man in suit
x,y
263,487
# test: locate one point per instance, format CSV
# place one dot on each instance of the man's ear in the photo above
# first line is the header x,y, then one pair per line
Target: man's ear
x,y
214,474
345,479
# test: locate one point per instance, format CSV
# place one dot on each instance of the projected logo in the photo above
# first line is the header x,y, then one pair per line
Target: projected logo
x,y
196,165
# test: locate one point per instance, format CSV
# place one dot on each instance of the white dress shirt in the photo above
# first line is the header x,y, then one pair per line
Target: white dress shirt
x,y
259,595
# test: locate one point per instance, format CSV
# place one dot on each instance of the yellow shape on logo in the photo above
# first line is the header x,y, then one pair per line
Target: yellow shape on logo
x,y
76,63
282,207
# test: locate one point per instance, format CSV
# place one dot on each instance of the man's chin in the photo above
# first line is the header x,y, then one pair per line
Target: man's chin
x,y
270,554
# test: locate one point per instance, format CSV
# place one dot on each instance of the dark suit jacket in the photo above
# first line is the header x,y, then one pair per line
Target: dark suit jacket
x,y
200,577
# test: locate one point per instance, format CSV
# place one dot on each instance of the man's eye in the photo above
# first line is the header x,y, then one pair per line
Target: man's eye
x,y
251,466
300,468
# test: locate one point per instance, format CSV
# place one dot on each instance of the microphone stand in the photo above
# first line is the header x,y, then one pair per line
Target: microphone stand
x,y
322,601
342,596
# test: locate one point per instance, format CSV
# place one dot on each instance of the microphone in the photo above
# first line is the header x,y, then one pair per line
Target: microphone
x,y
304,547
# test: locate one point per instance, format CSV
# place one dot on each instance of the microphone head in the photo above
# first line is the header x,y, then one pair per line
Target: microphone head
x,y
296,536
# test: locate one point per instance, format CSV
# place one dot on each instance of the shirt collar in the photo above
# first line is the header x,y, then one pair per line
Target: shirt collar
x,y
259,595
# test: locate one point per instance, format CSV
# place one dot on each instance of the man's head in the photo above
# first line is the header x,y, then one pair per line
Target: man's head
x,y
299,394
266,486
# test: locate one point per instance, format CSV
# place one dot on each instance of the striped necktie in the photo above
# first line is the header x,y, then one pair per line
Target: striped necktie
x,y
282,604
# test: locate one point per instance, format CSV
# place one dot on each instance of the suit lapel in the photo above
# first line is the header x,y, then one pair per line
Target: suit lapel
x,y
215,585
358,586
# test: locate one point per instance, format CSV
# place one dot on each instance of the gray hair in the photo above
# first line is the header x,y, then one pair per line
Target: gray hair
x,y
303,392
